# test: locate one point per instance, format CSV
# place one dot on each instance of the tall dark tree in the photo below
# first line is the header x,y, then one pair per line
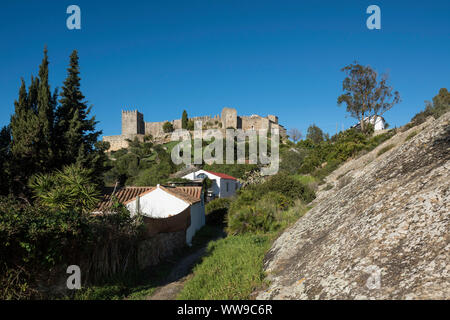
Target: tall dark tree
x,y
184,120
24,127
364,95
75,129
46,104
5,160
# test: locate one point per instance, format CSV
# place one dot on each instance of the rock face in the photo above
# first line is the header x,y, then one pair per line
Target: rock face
x,y
383,234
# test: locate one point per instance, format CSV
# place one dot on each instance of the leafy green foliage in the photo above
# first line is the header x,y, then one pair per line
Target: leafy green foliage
x,y
364,94
216,210
234,170
315,134
70,188
439,106
142,163
167,127
40,241
262,207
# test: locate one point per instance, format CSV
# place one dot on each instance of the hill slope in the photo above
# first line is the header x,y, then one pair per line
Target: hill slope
x,y
386,218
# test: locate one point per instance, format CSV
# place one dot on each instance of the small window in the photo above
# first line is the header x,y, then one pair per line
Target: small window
x,y
227,186
202,176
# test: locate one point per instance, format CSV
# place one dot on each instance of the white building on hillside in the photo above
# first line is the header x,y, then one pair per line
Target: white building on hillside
x,y
165,209
223,185
378,123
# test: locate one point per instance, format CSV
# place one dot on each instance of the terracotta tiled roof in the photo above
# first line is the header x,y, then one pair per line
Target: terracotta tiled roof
x,y
221,175
190,194
123,195
194,193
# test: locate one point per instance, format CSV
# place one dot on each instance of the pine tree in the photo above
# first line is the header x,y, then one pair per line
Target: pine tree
x,y
184,120
77,140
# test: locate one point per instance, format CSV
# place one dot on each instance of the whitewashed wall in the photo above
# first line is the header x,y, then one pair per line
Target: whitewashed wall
x,y
158,204
197,220
219,186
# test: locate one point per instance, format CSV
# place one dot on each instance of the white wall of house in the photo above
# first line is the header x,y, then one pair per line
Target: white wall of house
x,y
379,123
228,187
221,187
197,220
158,204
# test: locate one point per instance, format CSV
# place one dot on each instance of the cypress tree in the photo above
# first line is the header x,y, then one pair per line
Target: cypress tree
x,y
184,120
46,115
5,160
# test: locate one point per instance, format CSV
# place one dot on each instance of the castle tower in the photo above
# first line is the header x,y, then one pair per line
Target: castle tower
x,y
273,118
229,118
132,123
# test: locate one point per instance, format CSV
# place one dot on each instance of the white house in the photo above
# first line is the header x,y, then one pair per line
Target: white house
x,y
165,209
223,185
378,122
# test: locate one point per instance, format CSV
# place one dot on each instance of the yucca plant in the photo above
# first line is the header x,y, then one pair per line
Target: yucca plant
x,y
70,188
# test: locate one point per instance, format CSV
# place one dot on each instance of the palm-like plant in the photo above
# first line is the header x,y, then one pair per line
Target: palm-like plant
x,y
70,188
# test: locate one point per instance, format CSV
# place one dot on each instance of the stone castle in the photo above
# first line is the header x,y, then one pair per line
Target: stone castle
x,y
133,126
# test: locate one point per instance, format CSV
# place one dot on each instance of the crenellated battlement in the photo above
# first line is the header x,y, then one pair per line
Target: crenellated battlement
x,y
133,125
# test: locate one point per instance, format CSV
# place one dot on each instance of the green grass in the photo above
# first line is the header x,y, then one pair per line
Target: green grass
x,y
231,270
233,267
385,149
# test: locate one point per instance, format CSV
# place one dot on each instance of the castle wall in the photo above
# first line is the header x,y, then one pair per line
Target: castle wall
x,y
154,128
133,125
255,122
120,141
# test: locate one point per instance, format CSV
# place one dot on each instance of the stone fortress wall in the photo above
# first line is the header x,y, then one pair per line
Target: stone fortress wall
x,y
133,125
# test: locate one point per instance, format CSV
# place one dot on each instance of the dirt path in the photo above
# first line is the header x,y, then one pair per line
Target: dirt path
x,y
179,275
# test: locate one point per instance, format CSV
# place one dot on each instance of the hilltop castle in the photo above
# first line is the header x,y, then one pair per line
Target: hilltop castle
x,y
133,125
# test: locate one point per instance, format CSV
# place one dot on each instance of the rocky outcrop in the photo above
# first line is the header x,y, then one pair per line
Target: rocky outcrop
x,y
383,234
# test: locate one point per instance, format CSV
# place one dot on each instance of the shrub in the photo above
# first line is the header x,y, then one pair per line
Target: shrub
x,y
254,219
280,201
286,185
216,210
168,127
40,241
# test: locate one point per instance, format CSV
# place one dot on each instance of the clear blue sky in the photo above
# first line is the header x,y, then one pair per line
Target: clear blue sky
x,y
261,57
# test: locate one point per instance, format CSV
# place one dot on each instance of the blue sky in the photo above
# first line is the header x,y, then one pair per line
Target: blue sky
x,y
260,57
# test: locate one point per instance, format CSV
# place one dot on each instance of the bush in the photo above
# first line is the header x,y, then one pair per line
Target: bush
x,y
216,210
40,241
286,185
254,219
168,127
